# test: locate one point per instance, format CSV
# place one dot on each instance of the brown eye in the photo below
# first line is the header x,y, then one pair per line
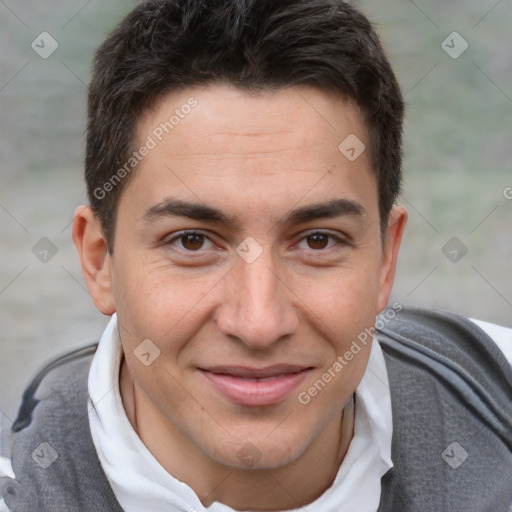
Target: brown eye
x,y
188,242
318,241
192,241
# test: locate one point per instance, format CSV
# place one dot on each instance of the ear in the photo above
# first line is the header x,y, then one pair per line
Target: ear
x,y
394,232
94,258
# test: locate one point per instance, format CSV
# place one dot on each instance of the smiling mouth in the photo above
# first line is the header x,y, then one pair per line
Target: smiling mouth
x,y
255,387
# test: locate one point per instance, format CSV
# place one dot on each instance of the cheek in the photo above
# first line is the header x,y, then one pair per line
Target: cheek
x,y
347,318
344,300
324,396
167,306
153,296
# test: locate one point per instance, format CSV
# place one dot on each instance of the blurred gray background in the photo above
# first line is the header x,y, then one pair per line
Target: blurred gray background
x,y
458,166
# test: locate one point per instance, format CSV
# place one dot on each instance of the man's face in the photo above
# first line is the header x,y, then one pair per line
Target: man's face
x,y
266,288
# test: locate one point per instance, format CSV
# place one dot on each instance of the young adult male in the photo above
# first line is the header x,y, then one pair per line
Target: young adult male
x,y
243,162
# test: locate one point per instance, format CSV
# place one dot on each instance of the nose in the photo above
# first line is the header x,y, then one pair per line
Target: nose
x,y
258,308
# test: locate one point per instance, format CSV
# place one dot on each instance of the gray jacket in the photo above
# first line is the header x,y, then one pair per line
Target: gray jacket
x,y
451,394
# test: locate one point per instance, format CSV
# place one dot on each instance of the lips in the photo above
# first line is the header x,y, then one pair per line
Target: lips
x,y
255,386
245,372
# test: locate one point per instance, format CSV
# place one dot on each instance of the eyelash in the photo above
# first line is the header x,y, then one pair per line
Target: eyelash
x,y
183,234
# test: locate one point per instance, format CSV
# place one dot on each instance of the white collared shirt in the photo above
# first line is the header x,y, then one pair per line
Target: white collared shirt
x,y
140,483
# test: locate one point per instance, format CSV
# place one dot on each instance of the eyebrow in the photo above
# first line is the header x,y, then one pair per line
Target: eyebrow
x,y
202,212
326,210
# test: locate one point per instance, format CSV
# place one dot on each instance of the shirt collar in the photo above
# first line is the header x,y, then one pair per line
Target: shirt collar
x,y
141,483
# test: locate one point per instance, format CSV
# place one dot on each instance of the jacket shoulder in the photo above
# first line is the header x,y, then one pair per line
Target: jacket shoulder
x,y
64,374
451,399
54,460
452,350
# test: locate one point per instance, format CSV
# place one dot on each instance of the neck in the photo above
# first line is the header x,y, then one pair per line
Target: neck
x,y
292,486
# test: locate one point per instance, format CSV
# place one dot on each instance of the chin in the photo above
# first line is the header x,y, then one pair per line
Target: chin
x,y
260,452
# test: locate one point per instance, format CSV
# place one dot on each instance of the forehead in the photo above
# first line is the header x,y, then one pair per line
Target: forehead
x,y
222,143
308,115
